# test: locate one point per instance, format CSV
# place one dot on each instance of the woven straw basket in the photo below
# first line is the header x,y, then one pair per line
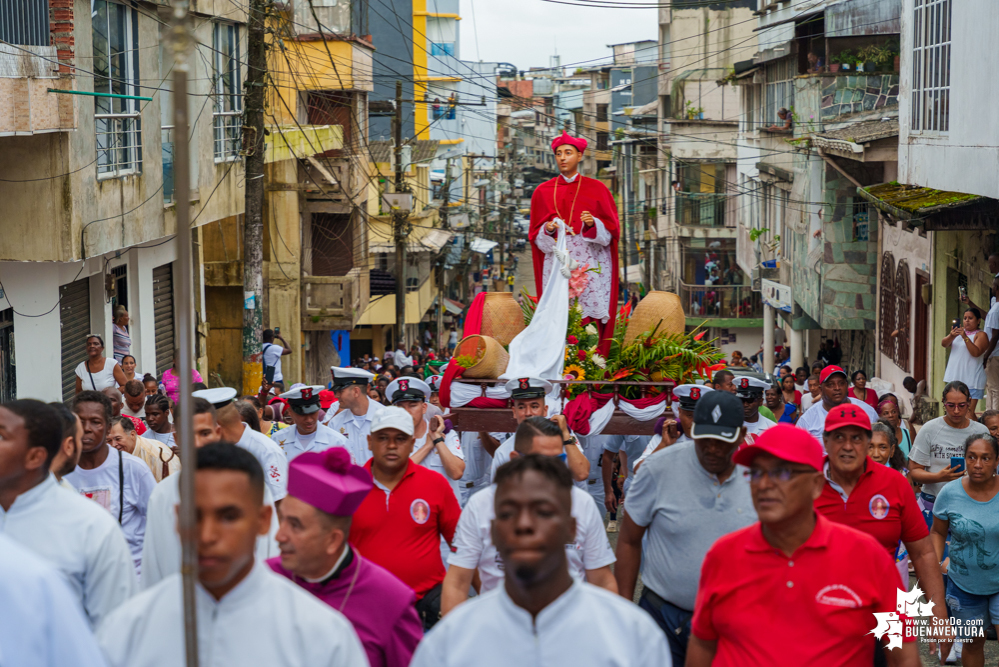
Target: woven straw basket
x,y
656,307
494,357
502,317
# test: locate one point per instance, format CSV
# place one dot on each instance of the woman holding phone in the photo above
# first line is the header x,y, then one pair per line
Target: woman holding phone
x,y
938,441
967,343
968,508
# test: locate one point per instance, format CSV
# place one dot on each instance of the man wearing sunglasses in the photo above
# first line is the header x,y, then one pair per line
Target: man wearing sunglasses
x,y
794,584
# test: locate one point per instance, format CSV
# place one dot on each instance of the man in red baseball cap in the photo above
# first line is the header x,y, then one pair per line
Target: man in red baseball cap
x,y
833,386
877,500
794,588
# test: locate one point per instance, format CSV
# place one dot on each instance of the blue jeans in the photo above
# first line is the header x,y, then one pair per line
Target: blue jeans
x,y
971,608
674,622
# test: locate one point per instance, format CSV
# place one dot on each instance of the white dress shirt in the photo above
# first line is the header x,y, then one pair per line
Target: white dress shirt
x,y
265,620
161,550
40,623
433,459
474,548
80,539
292,444
814,419
271,459
586,625
355,428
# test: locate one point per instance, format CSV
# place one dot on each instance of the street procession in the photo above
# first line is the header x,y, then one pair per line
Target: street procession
x,y
618,333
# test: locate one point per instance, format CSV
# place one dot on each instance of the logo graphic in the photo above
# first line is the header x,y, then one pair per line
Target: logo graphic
x,y
525,383
695,393
716,413
838,595
891,625
744,383
404,385
879,506
420,511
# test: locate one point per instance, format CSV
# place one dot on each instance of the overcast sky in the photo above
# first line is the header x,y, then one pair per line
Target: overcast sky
x,y
528,32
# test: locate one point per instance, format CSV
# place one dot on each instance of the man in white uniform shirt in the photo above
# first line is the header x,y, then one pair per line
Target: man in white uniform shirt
x,y
307,434
541,615
834,387
161,551
750,390
120,483
247,615
813,394
41,625
527,399
434,449
233,429
81,540
687,396
589,555
354,421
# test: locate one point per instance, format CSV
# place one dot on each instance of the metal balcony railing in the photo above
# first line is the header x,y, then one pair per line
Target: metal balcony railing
x,y
696,209
24,22
721,301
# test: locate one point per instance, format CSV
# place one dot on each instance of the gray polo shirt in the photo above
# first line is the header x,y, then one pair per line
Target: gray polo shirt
x,y
686,510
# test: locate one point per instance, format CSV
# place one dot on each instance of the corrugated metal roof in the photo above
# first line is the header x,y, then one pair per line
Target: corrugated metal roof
x,y
423,150
863,132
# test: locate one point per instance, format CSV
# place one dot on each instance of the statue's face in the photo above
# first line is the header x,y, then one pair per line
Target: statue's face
x,y
568,158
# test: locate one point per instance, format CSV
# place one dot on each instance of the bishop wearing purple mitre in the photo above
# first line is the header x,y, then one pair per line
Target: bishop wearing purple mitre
x,y
324,491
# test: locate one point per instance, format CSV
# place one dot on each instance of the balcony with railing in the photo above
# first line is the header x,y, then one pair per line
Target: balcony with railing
x,y
701,209
721,305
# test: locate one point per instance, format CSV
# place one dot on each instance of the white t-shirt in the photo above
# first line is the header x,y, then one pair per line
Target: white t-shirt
x,y
103,378
473,544
992,325
586,625
814,419
759,426
272,357
807,401
102,486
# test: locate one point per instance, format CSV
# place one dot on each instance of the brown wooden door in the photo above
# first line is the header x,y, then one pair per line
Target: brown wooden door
x,y
920,339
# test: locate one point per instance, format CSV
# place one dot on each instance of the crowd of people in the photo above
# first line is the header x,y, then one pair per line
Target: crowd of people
x,y
352,524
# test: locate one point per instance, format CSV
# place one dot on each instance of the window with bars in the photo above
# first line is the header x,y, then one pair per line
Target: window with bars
x,y
779,90
117,121
931,31
227,93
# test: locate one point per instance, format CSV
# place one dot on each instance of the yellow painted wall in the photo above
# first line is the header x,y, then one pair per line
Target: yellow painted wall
x,y
382,309
307,66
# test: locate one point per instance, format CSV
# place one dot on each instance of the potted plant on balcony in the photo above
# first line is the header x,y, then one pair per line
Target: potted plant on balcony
x,y
847,60
834,63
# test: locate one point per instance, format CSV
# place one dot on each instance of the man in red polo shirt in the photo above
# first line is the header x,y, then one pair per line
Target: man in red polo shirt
x,y
875,499
400,524
794,588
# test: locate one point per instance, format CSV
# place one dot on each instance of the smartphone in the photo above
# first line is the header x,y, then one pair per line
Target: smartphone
x,y
277,330
963,290
953,324
269,374
957,462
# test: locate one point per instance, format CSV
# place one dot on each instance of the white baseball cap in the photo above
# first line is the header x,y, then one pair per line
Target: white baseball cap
x,y
393,417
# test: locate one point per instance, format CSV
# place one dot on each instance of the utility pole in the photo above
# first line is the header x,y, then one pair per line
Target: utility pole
x,y
253,218
441,280
399,224
187,526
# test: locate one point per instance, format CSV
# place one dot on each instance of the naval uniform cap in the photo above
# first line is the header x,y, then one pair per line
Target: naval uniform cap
x,y
527,387
219,397
344,377
687,395
303,399
407,389
434,382
747,386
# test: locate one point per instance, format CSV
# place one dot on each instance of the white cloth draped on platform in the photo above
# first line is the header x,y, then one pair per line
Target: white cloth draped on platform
x,y
539,350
